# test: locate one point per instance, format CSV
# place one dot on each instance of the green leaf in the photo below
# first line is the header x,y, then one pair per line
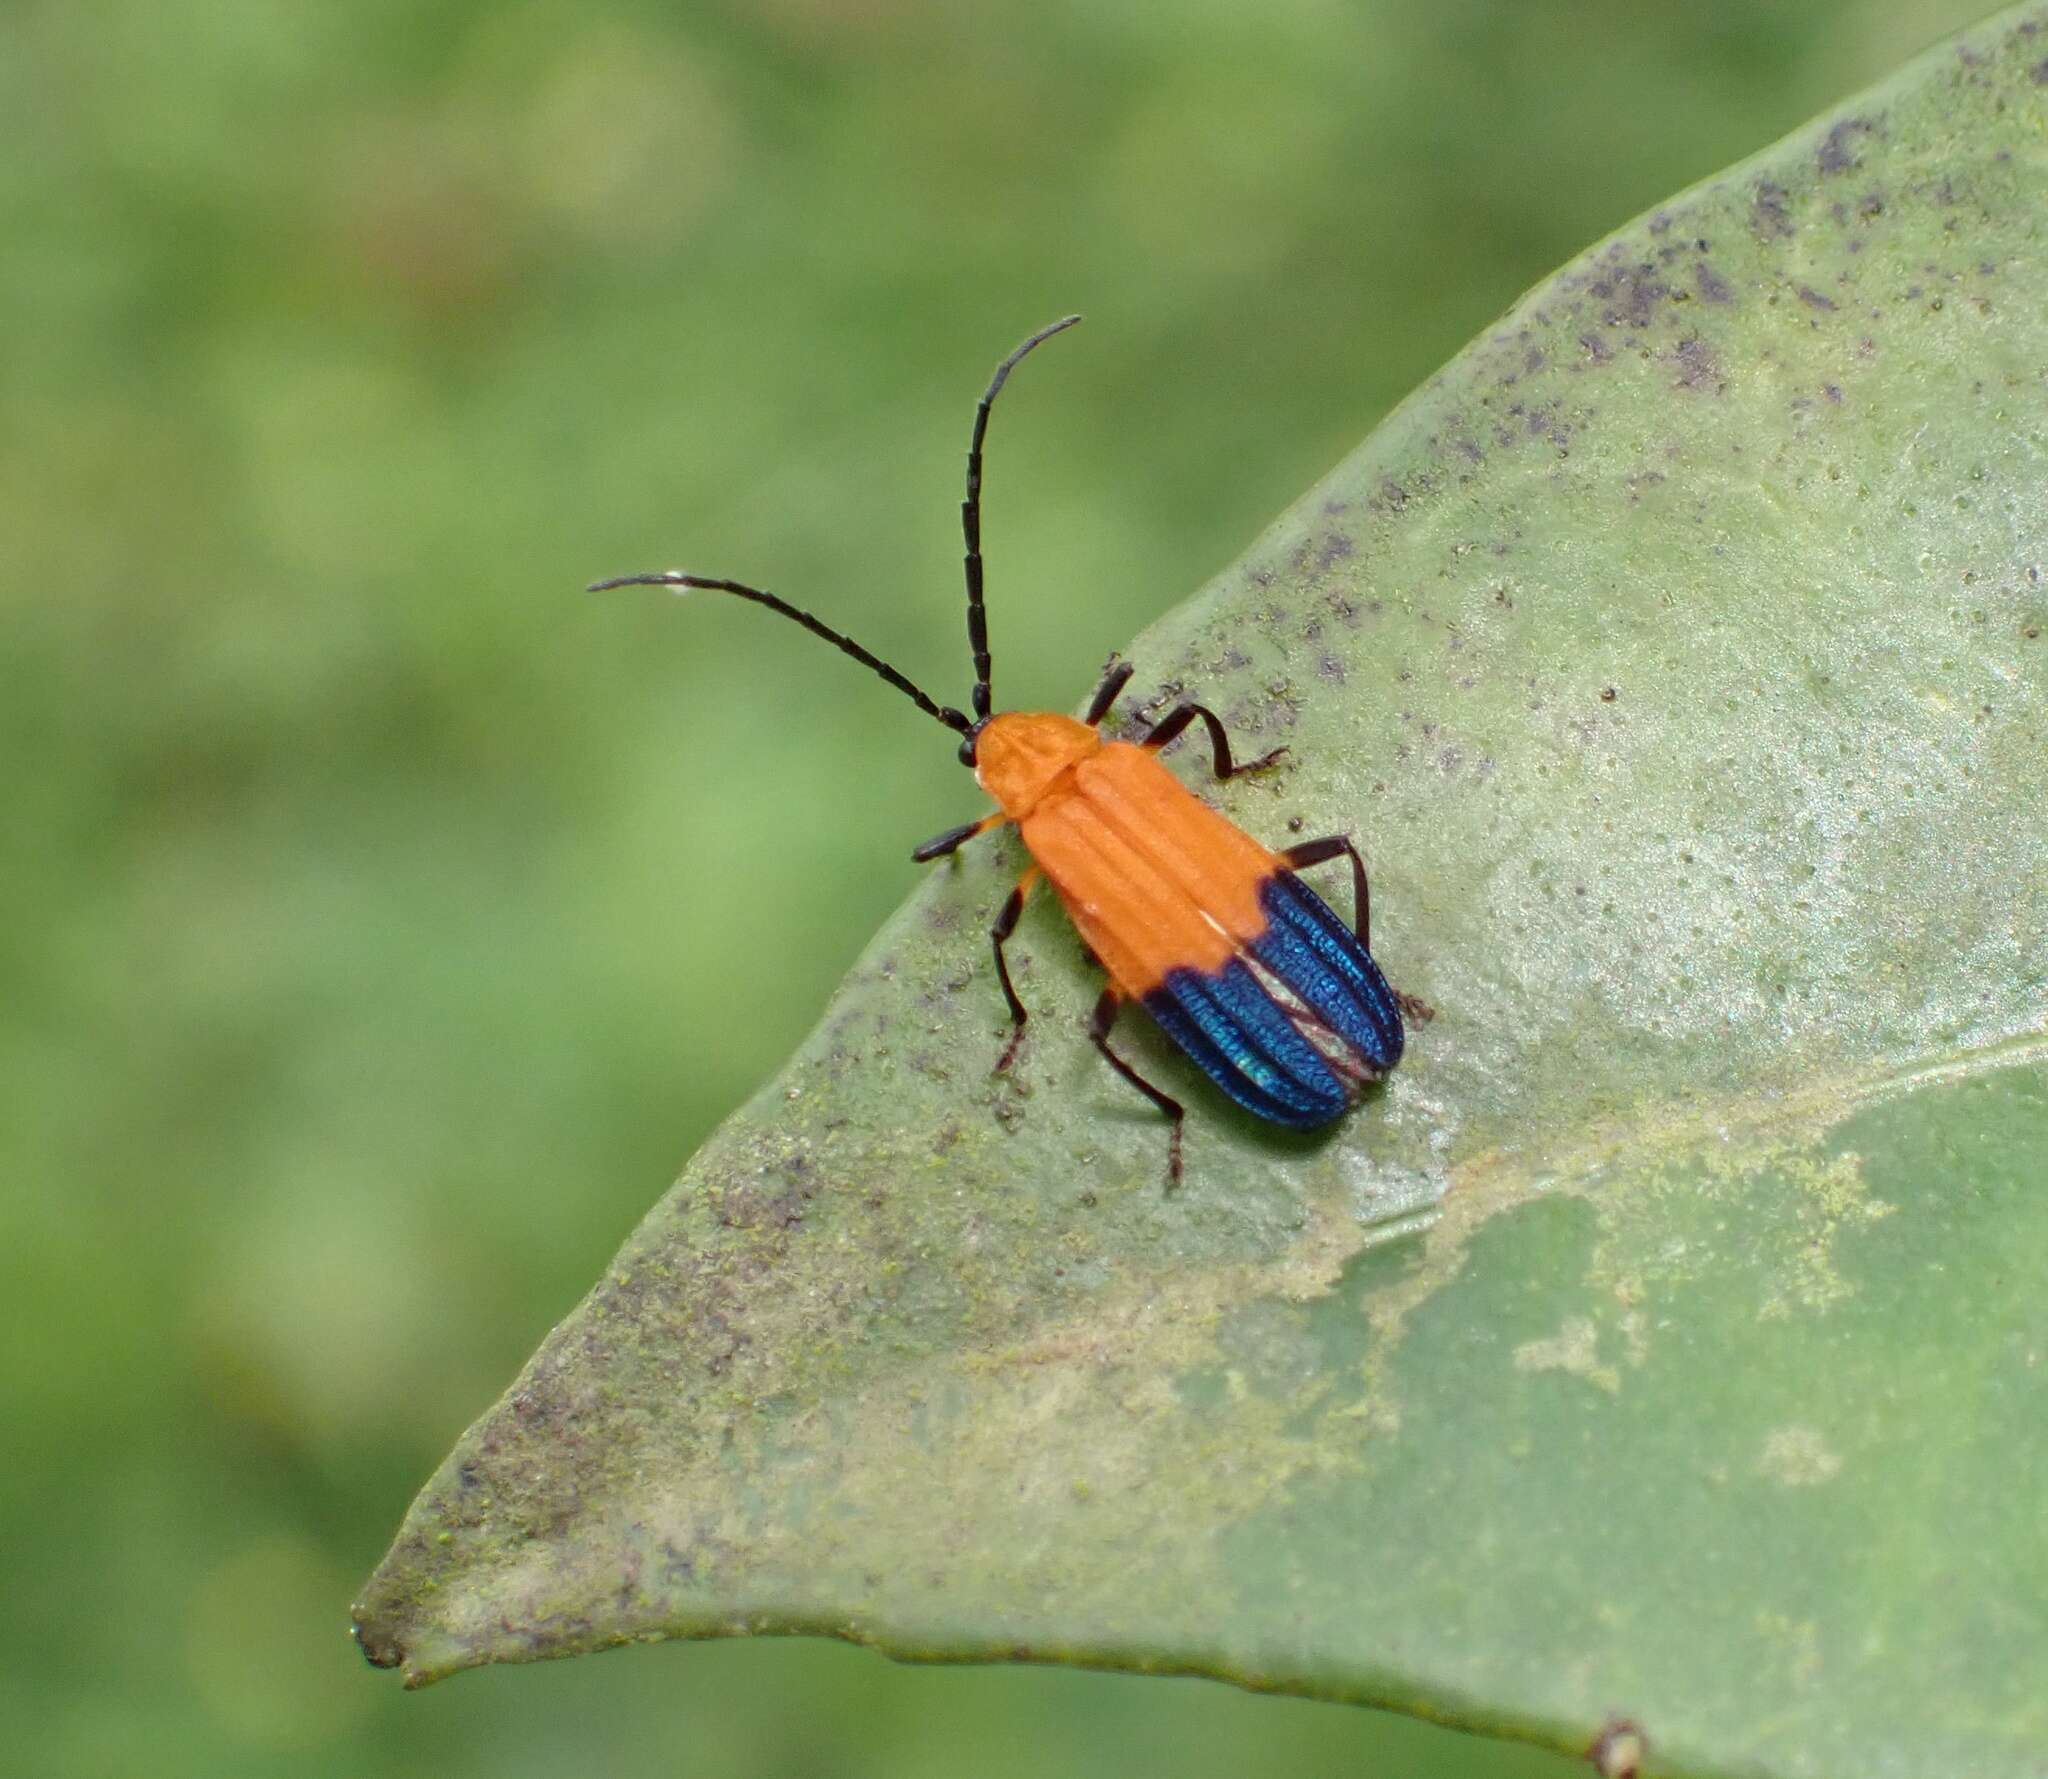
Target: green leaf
x,y
1667,1337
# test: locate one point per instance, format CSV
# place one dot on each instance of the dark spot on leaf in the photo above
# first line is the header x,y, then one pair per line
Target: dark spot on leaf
x,y
1168,691
1332,669
1596,348
1697,368
1336,548
1870,205
2039,73
1813,298
1769,218
1608,694
1838,153
1713,288
1632,293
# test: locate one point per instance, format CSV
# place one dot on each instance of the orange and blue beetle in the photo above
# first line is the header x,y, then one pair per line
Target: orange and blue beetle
x,y
1239,962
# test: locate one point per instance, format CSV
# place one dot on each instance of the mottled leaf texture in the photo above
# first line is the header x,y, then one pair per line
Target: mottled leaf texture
x,y
1668,1338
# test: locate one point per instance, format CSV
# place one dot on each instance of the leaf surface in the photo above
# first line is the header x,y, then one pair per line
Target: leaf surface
x,y
1667,1337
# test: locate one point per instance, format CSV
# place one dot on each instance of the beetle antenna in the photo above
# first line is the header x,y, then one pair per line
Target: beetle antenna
x,y
682,582
970,516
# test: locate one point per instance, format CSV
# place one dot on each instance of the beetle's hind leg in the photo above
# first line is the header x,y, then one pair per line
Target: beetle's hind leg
x,y
1099,1024
1337,846
999,936
1180,716
1317,852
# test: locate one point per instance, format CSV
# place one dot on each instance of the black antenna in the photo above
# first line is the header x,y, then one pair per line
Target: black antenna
x,y
970,517
675,577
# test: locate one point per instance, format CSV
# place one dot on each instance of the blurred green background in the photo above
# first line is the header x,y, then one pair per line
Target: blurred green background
x,y
382,921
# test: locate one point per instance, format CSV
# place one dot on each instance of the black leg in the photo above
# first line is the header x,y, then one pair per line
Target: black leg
x,y
1182,715
1099,1024
939,845
999,935
1115,676
1316,852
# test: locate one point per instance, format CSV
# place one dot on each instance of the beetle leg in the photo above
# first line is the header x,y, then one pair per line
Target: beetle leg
x,y
1317,852
939,845
1006,924
1099,1024
1181,715
1115,676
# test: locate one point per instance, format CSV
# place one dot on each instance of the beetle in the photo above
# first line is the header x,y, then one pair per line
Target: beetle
x,y
1237,960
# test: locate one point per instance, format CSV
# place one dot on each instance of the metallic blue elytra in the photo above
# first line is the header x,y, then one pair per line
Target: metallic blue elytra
x,y
1321,960
1264,1053
1246,1044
